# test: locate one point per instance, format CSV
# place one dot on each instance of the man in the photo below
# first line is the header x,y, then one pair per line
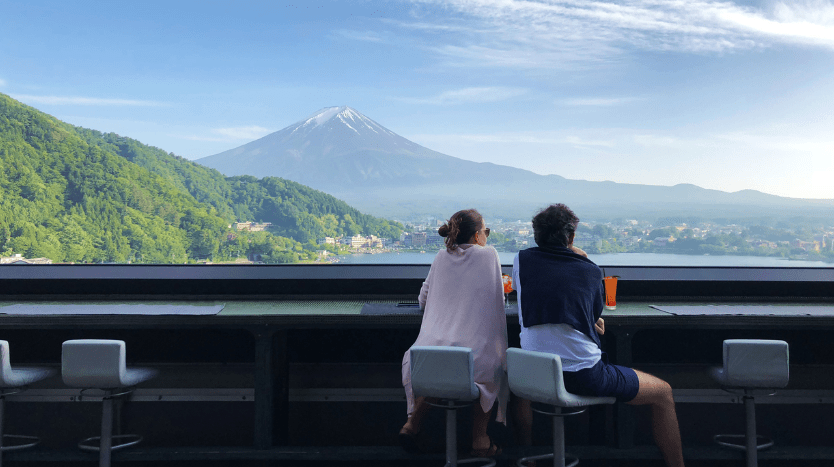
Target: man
x,y
561,297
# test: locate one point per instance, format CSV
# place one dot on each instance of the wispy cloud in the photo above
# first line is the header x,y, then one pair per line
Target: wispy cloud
x,y
76,100
469,95
597,101
202,138
365,36
230,134
2,82
566,33
577,141
244,132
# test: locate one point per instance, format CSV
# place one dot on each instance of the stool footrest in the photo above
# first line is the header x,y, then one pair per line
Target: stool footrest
x,y
85,446
720,439
487,461
570,461
33,440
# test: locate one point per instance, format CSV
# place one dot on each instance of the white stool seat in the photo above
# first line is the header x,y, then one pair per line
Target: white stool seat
x,y
134,376
752,367
537,376
753,363
13,380
23,376
100,364
447,373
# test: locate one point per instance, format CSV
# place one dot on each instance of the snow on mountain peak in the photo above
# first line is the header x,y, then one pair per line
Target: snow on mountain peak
x,y
345,115
324,115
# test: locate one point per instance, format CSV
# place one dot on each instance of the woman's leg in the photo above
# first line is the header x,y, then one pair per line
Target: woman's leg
x,y
415,420
658,394
480,420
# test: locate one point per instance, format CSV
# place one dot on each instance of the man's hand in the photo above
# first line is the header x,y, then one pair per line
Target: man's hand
x,y
578,251
600,326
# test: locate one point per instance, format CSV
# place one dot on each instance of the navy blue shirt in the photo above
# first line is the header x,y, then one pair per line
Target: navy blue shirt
x,y
561,287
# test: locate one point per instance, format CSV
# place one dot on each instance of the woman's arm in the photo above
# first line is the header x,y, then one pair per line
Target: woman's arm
x,y
424,292
578,251
600,326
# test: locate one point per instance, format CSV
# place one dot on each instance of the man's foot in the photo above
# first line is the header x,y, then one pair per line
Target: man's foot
x,y
408,440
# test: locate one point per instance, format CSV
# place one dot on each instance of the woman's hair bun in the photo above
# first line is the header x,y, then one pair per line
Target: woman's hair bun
x,y
443,231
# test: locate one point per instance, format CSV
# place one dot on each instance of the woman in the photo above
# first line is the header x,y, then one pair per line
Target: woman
x,y
463,303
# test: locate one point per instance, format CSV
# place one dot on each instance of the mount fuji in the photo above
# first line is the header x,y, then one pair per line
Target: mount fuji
x,y
346,154
338,149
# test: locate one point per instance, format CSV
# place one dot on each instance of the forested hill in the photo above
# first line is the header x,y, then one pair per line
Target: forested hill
x,y
295,210
76,195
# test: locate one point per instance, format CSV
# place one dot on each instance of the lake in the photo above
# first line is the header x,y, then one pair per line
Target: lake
x,y
610,259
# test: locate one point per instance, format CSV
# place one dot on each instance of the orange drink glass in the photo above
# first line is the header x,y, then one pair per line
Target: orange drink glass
x,y
610,292
508,287
508,283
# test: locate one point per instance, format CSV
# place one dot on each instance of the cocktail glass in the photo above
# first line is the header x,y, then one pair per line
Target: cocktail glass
x,y
610,292
508,287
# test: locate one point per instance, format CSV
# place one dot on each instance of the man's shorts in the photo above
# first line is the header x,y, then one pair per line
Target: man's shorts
x,y
603,380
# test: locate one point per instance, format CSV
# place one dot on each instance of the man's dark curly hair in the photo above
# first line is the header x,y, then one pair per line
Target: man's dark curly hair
x,y
554,225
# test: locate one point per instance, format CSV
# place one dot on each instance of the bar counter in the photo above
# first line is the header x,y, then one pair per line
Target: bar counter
x,y
292,345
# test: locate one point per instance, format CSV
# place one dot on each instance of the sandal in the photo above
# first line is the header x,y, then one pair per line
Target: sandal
x,y
408,441
492,451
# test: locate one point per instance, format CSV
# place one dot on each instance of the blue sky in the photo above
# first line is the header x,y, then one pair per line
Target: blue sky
x,y
724,95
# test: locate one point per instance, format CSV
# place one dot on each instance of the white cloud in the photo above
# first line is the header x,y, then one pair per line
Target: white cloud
x,y
570,33
244,132
597,101
75,100
2,82
577,141
469,95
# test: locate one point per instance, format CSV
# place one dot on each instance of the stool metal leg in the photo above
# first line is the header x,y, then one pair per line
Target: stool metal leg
x,y
559,456
752,449
25,440
106,432
451,436
2,410
751,445
558,441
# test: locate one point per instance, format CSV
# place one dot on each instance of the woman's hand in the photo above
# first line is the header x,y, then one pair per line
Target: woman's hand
x,y
600,326
578,251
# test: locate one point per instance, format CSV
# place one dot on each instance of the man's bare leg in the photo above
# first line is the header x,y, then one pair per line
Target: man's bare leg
x,y
657,393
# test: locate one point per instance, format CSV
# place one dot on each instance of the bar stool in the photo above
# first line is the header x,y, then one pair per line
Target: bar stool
x,y
13,381
447,373
97,364
752,367
537,376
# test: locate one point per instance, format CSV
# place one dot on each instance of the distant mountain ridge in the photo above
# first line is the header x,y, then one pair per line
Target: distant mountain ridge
x,y
340,151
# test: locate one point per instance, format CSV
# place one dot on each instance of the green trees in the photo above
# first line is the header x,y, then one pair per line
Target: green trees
x,y
76,195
